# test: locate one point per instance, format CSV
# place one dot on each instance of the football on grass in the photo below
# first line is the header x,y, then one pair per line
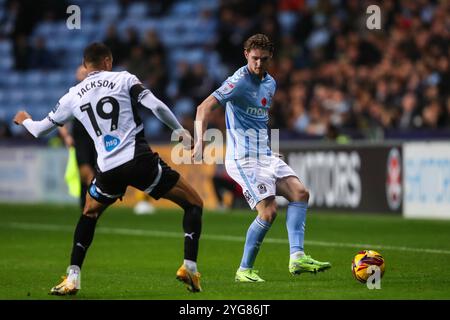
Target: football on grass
x,y
366,263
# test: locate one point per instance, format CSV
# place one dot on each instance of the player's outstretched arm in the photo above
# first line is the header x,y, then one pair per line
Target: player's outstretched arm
x,y
161,111
201,122
36,128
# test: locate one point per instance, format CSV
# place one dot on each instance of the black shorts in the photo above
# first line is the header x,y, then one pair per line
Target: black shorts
x,y
148,173
84,146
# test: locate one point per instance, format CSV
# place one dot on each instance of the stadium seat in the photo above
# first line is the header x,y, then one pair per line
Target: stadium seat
x,y
55,78
78,43
172,39
33,78
185,8
10,79
318,38
45,29
94,31
36,96
137,10
3,98
9,111
149,24
56,93
109,12
4,114
5,48
208,4
171,24
17,97
6,63
72,61
287,21
40,111
61,31
89,12
189,56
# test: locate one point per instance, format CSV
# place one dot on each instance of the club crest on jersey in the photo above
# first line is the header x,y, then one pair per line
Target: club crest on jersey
x,y
262,188
111,142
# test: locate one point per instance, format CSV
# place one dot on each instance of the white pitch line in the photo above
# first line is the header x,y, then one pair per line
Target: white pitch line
x,y
169,234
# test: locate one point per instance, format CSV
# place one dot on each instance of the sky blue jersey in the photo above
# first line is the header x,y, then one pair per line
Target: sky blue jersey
x,y
247,101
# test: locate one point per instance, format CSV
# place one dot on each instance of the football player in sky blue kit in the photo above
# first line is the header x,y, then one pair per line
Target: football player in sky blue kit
x,y
247,96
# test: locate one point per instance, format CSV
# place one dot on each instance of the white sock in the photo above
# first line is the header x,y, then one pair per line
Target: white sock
x,y
243,269
191,265
297,255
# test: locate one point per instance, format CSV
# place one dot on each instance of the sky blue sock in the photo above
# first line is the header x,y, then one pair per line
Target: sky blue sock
x,y
255,236
295,223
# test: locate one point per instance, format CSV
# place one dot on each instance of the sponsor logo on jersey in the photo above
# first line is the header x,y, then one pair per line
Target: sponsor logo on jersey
x,y
111,142
255,111
93,191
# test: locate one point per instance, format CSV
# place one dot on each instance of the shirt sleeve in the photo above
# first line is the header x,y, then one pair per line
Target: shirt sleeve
x,y
39,128
135,87
226,92
62,112
161,111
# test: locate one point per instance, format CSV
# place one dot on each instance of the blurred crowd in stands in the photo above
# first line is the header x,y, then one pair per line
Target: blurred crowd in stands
x,y
335,77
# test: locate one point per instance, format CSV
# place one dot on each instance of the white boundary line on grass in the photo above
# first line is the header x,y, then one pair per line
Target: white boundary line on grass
x,y
169,234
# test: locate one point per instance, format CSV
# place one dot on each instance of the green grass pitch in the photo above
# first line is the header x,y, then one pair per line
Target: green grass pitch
x,y
136,257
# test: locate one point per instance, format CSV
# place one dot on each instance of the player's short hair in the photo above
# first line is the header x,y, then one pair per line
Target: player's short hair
x,y
96,52
259,41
